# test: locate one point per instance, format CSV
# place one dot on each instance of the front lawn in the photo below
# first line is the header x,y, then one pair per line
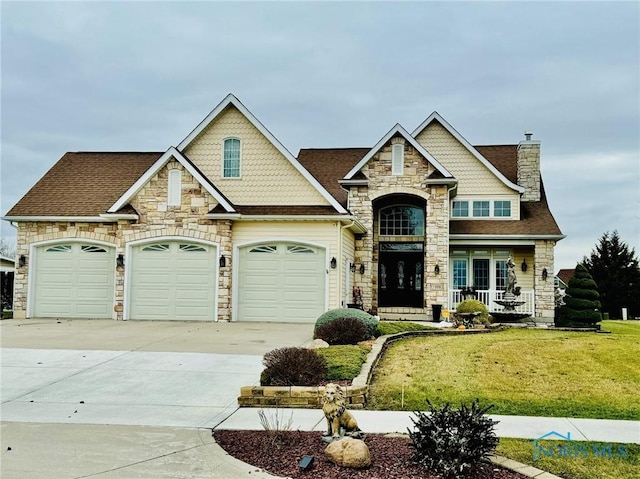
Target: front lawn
x,y
528,372
617,466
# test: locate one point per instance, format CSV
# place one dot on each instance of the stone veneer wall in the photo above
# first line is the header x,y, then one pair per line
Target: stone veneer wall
x,y
157,220
411,182
529,169
297,396
544,290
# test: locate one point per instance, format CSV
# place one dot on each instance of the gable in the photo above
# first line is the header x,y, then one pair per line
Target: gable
x,y
474,177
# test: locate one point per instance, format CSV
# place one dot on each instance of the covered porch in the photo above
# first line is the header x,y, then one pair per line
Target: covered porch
x,y
489,296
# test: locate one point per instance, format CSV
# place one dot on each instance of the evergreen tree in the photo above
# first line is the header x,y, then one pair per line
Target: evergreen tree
x,y
614,267
581,308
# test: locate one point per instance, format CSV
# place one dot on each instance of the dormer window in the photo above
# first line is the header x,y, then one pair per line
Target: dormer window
x,y
174,189
397,159
231,158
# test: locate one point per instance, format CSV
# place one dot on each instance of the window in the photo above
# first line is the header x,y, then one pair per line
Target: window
x,y
459,273
460,209
481,274
264,249
502,208
501,275
299,249
174,189
402,221
92,249
61,248
192,248
156,247
397,159
231,159
480,208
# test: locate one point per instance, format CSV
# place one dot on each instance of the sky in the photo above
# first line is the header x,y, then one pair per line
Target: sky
x,y
139,76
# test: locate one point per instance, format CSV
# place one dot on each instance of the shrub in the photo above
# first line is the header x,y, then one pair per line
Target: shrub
x,y
342,331
474,306
581,305
452,442
293,367
371,322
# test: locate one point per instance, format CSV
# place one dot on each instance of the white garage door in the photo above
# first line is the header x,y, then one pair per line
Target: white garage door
x,y
173,280
74,281
281,282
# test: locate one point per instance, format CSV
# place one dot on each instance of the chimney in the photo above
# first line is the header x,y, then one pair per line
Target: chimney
x,y
529,167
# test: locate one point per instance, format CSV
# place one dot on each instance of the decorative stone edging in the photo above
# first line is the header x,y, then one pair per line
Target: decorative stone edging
x,y
356,394
520,468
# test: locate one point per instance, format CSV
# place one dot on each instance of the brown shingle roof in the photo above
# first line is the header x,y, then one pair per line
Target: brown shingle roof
x,y
504,158
566,274
84,184
328,165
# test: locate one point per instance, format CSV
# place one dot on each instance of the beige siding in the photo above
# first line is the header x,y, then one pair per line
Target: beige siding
x,y
324,234
346,277
267,177
474,178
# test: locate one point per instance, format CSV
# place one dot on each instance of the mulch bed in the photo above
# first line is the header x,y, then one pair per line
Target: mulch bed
x,y
390,456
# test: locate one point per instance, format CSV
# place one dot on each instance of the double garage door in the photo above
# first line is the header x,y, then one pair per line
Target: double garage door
x,y
281,282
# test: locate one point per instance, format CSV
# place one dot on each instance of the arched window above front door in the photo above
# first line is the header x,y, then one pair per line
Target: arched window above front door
x,y
402,220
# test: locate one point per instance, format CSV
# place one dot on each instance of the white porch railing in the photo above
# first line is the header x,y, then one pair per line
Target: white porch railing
x,y
488,297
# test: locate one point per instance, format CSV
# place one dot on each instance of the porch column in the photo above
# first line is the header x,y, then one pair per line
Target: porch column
x,y
544,298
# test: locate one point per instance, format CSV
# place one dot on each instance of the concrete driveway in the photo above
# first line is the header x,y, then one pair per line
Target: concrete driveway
x,y
133,373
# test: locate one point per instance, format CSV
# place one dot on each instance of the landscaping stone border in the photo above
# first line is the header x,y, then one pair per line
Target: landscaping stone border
x,y
356,394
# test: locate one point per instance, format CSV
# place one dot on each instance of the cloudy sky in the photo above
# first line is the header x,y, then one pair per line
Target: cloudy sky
x,y
125,76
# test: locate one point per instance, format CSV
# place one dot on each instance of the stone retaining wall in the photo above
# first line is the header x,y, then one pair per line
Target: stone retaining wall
x,y
297,396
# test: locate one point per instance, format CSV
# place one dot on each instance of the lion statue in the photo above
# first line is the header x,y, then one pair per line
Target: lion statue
x,y
335,410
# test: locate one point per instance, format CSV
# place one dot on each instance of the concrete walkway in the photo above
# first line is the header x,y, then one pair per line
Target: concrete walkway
x,y
139,399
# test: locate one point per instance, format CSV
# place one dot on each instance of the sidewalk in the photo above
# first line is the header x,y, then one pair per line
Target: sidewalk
x,y
524,427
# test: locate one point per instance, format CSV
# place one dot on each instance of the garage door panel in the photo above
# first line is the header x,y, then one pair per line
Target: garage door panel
x,y
173,280
74,280
281,282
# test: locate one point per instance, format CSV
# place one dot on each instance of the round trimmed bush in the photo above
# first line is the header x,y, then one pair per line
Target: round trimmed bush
x,y
343,331
293,367
474,306
371,322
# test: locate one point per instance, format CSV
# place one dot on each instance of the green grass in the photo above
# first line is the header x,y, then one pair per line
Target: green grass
x,y
528,372
628,467
345,362
394,327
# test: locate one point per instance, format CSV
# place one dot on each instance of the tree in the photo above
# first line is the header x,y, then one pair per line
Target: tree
x,y
7,247
615,268
582,307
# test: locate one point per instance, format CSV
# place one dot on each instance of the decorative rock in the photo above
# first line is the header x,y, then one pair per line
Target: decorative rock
x,y
348,452
317,344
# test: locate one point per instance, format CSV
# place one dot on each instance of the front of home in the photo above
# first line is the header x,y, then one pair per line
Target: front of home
x,y
229,225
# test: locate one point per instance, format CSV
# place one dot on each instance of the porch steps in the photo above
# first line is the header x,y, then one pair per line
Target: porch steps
x,y
404,314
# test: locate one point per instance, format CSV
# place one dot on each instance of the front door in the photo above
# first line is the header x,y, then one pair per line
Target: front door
x,y
400,275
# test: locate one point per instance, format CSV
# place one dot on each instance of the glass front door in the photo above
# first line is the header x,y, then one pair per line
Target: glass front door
x,y
400,275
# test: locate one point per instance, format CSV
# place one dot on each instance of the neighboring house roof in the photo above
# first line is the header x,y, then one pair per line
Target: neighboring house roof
x,y
83,184
435,117
230,99
565,275
398,130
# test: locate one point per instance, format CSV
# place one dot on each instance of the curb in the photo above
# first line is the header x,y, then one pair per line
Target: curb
x,y
523,469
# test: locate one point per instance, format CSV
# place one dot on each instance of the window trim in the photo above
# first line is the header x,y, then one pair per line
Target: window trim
x,y
466,202
224,158
495,215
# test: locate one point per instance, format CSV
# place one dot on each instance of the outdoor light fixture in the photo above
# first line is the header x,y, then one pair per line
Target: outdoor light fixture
x,y
352,267
334,263
362,268
524,265
223,261
544,274
22,261
120,261
305,463
437,269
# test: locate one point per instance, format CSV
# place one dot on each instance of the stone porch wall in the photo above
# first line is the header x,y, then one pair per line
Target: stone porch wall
x,y
544,297
297,396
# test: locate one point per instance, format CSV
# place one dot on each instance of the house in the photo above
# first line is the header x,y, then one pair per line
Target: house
x,y
229,225
563,277
7,269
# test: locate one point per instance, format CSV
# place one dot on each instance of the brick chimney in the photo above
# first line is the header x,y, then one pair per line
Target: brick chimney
x,y
529,167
